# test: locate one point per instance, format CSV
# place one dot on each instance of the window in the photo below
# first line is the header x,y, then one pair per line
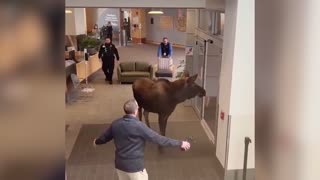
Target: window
x,y
222,23
211,22
219,23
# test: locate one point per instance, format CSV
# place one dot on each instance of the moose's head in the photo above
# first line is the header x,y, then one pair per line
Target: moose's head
x,y
189,89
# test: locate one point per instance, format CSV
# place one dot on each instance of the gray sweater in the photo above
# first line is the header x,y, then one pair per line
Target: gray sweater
x,y
130,135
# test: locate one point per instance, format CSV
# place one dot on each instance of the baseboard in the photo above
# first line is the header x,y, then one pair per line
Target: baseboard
x,y
207,131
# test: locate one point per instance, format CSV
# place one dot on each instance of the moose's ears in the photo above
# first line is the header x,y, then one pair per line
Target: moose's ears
x,y
192,79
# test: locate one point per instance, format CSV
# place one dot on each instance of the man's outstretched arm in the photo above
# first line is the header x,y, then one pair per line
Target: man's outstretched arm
x,y
154,137
104,138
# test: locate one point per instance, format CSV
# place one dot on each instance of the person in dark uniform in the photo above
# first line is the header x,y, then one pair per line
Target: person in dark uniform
x,y
109,30
126,26
107,54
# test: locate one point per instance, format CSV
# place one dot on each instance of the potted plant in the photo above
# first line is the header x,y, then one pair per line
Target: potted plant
x,y
91,44
79,38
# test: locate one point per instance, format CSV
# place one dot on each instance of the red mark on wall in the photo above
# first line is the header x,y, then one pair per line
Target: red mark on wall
x,y
222,115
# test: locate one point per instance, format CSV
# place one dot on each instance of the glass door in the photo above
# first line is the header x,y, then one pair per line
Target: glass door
x,y
198,68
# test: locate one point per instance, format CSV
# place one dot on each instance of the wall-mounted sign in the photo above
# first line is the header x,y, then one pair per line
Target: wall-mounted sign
x,y
135,20
189,50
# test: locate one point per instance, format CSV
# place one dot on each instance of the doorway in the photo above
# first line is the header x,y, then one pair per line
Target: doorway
x,y
198,64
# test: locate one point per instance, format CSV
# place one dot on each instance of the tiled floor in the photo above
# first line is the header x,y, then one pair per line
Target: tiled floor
x,y
105,105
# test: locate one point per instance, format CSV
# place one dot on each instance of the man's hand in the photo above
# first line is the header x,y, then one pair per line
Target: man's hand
x,y
94,143
185,145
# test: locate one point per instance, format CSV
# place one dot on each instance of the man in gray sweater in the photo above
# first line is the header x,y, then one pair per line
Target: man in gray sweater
x,y
129,135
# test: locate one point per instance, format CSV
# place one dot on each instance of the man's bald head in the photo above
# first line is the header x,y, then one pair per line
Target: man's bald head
x,y
131,107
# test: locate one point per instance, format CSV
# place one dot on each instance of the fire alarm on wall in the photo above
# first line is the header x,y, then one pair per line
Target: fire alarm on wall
x,y
222,115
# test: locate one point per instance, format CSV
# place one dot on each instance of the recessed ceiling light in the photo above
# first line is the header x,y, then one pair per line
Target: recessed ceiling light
x,y
155,12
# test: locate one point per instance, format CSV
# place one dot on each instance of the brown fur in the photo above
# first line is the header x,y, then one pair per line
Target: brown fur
x,y
162,96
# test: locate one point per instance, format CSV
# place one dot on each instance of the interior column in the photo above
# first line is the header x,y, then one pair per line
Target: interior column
x,y
138,25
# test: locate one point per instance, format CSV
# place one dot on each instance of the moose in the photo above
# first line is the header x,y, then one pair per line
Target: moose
x,y
161,96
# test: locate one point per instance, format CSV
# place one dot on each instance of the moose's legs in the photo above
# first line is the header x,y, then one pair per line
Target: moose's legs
x,y
162,125
163,118
146,117
140,113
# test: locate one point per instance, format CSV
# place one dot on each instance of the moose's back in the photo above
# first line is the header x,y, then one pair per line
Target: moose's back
x,y
152,95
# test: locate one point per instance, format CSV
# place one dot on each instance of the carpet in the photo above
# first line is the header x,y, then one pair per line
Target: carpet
x,y
87,162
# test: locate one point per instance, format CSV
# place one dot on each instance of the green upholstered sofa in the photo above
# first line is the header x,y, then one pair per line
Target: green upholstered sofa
x,y
128,72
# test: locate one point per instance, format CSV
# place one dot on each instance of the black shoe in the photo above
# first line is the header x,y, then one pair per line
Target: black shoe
x,y
110,82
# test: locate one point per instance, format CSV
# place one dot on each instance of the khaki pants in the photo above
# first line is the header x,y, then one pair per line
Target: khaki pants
x,y
141,175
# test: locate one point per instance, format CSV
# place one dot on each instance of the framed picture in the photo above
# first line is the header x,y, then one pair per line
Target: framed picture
x,y
181,24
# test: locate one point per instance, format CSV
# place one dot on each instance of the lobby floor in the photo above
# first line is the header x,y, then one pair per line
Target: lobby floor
x,y
86,119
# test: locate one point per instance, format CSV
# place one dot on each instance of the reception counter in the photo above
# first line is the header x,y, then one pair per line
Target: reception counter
x,y
93,65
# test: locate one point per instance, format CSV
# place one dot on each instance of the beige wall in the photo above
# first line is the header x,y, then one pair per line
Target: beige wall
x,y
155,33
91,17
141,14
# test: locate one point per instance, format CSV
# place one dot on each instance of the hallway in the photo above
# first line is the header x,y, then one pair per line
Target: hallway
x,y
87,119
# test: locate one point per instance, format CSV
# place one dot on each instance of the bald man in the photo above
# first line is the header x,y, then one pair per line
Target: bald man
x,y
130,135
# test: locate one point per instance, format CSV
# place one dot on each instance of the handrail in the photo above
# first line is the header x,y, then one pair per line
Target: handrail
x,y
247,141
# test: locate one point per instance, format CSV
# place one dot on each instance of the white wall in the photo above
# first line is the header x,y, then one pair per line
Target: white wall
x,y
242,88
226,76
80,20
237,84
70,27
309,119
76,22
155,33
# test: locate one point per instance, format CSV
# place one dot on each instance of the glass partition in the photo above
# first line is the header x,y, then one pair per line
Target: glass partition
x,y
211,22
198,65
